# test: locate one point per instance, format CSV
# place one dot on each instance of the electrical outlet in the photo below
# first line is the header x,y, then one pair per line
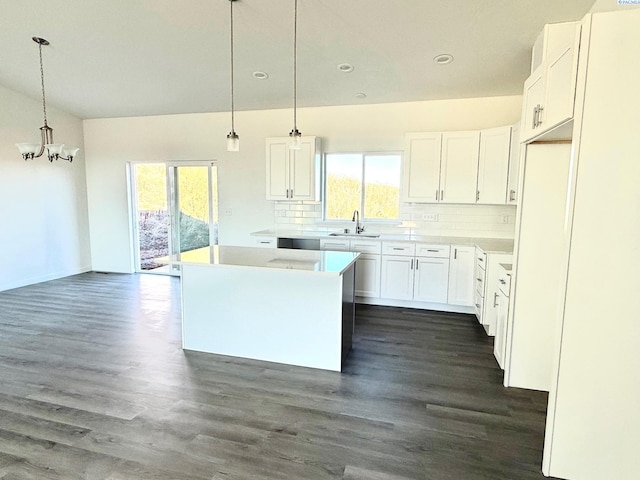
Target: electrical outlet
x,y
505,218
282,213
430,217
228,212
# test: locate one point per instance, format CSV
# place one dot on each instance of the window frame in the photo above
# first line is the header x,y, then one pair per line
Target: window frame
x,y
398,153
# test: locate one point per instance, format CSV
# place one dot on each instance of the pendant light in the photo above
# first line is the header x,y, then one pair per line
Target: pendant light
x,y
233,140
296,137
55,151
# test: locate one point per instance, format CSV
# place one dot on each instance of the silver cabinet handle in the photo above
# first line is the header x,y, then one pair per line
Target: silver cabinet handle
x,y
535,115
417,263
437,195
455,253
412,264
502,282
477,305
512,196
481,259
432,250
479,279
477,195
540,110
441,195
495,299
398,248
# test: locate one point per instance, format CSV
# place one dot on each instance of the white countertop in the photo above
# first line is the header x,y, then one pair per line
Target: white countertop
x,y
275,258
487,245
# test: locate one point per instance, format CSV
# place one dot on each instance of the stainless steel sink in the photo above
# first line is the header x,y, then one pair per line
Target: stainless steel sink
x,y
355,235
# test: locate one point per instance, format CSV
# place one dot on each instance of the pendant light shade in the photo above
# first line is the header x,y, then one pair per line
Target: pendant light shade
x,y
296,137
55,151
233,140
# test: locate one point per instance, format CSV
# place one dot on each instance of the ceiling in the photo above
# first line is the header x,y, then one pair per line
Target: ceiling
x,y
150,57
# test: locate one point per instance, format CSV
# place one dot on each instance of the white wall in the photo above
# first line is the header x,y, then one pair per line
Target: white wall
x,y
43,206
111,143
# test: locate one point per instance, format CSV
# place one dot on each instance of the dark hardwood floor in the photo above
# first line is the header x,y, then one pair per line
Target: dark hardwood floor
x,y
94,385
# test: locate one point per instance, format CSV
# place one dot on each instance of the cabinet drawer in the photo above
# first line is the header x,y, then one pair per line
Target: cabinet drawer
x,y
481,259
335,245
479,281
266,242
432,251
478,302
504,282
399,248
366,246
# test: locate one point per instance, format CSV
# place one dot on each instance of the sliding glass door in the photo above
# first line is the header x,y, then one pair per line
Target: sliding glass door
x,y
175,207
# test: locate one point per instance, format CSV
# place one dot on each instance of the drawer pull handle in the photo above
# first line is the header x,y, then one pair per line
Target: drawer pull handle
x,y
502,282
479,279
399,248
480,259
429,250
495,300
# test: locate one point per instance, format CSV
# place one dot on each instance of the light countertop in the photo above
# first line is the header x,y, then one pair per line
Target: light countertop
x,y
487,245
275,258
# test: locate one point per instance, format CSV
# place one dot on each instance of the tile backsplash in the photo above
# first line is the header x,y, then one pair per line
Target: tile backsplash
x,y
495,221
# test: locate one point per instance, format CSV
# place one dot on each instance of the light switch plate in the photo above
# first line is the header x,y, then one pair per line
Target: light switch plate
x,y
430,217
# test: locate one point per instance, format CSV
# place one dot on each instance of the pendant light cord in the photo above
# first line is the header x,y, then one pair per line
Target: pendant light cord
x,y
44,102
295,64
233,129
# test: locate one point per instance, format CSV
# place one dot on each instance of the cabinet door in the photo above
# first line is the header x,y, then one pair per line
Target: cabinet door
x,y
368,276
560,82
431,279
461,284
302,171
397,277
459,167
514,165
277,155
499,343
493,165
532,100
421,169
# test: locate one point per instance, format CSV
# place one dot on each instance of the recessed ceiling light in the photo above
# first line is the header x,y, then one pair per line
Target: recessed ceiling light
x,y
260,75
345,67
443,59
361,95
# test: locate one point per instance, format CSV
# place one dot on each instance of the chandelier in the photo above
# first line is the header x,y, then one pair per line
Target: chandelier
x,y
55,151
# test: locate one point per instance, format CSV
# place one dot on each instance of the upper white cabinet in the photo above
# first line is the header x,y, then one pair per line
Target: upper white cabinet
x,y
421,173
441,167
293,174
514,165
549,93
459,167
493,165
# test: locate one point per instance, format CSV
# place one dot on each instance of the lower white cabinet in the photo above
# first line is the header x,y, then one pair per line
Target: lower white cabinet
x,y
422,278
461,283
502,312
487,287
397,277
367,265
368,275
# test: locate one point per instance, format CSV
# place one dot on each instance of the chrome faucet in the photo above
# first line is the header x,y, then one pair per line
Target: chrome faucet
x,y
356,218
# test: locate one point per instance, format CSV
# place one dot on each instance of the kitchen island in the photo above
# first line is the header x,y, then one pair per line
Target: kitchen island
x,y
287,306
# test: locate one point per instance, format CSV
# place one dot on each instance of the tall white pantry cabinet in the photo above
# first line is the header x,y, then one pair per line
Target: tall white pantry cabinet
x,y
593,417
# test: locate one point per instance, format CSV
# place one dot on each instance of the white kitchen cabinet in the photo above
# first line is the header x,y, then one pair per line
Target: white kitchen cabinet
x,y
431,279
459,167
493,165
422,278
486,273
441,167
514,165
367,265
421,169
549,94
461,283
397,277
368,275
502,312
293,174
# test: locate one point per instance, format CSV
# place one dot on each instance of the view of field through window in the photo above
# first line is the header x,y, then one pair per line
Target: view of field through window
x,y
369,183
153,210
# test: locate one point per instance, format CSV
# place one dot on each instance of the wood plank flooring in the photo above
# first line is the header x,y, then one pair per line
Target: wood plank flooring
x,y
94,385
